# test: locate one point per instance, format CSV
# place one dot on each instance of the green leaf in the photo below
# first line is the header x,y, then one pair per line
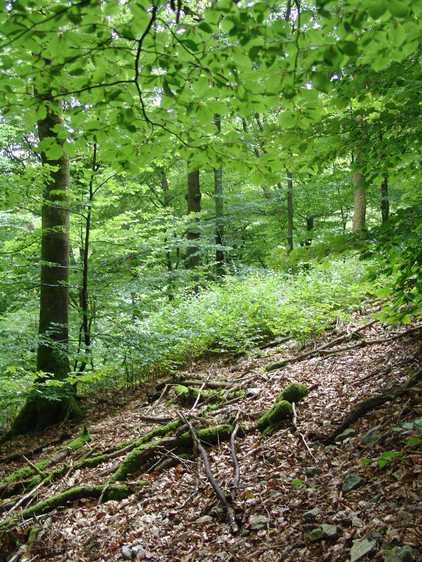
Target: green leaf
x,y
204,26
398,9
376,8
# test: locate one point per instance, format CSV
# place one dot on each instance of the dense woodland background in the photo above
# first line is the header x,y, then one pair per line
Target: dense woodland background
x,y
195,178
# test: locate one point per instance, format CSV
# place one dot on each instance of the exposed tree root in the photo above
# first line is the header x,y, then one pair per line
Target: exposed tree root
x,y
140,458
370,404
113,492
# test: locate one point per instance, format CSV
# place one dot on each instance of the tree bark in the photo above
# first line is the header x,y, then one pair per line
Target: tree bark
x,y
42,409
289,212
219,211
193,198
385,201
359,200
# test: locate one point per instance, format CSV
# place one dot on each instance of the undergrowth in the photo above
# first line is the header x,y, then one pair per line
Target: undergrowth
x,y
232,317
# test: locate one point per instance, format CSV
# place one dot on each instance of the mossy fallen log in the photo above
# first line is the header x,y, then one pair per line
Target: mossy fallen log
x,y
140,458
29,476
282,408
273,417
188,395
106,492
294,392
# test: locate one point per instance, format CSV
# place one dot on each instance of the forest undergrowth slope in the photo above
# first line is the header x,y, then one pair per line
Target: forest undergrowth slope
x,y
298,496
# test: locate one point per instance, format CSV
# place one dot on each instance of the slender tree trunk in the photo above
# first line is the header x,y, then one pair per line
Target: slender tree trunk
x,y
41,410
310,223
166,203
289,212
84,295
219,211
385,201
359,201
193,198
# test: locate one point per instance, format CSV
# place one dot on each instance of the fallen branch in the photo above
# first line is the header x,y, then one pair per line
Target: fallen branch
x,y
370,404
221,496
324,349
236,479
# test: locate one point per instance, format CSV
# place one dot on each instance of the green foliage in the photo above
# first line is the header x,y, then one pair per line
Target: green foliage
x,y
397,251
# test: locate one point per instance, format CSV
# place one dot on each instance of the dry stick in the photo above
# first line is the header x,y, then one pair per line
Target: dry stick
x,y
299,432
215,485
236,479
26,496
33,466
323,349
155,419
198,396
159,398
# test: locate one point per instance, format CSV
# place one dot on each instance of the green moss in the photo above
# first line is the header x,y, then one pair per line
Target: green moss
x,y
132,462
275,415
79,441
294,392
188,395
207,435
24,472
113,492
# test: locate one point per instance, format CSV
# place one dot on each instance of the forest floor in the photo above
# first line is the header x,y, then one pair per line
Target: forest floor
x,y
298,499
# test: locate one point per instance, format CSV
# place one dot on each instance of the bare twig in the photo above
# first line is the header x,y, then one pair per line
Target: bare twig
x,y
299,432
221,496
33,466
27,496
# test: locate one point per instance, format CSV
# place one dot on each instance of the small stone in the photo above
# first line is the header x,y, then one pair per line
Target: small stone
x,y
329,531
311,515
204,519
127,552
350,432
360,548
253,391
258,521
324,531
351,482
372,436
399,554
311,471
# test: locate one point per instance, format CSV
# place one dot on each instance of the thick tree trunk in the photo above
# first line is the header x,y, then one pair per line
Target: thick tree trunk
x,y
41,409
219,211
193,198
385,201
289,212
359,200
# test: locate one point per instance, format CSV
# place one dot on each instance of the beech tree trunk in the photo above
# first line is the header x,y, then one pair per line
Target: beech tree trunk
x,y
385,201
193,198
359,201
41,408
289,212
219,211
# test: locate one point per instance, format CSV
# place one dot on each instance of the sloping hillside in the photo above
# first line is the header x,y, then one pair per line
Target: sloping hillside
x,y
302,492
